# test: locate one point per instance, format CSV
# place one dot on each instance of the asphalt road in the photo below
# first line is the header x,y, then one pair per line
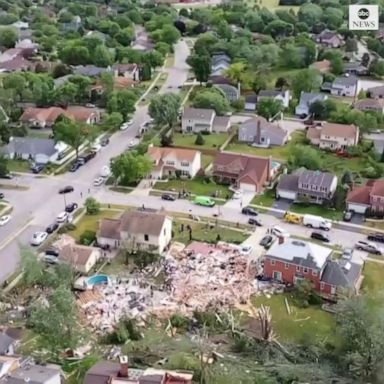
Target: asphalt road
x,y
41,203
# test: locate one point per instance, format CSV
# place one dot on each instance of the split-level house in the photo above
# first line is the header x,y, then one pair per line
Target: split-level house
x,y
367,197
195,120
346,86
313,186
261,133
292,260
366,105
249,173
172,161
334,136
137,230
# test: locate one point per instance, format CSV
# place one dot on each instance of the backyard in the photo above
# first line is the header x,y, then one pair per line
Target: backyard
x,y
303,325
197,186
373,277
215,140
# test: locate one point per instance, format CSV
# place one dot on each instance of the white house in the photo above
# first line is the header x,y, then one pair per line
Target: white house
x,y
345,86
203,120
283,96
136,230
41,151
80,257
173,161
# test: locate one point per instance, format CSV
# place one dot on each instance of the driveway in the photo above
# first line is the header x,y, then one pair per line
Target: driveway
x,y
282,204
247,197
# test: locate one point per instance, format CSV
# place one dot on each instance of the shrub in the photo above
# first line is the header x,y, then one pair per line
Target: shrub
x,y
87,237
199,139
179,321
66,228
92,206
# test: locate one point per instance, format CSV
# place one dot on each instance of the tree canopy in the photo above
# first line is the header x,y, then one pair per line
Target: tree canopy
x,y
164,109
212,98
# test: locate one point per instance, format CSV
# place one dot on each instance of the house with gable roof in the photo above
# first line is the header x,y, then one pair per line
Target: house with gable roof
x,y
367,197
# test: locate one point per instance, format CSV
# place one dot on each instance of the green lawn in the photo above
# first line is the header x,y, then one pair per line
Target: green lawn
x,y
266,199
206,160
196,186
19,166
201,232
373,277
215,140
303,325
91,222
317,210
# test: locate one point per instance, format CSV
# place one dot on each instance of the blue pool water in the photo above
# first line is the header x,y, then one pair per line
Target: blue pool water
x,y
275,164
98,279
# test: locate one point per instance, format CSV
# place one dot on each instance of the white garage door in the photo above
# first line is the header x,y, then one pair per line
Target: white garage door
x,y
247,187
289,195
357,208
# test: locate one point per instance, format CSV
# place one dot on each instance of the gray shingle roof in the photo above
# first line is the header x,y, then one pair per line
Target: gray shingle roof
x,y
320,179
288,183
341,274
270,93
37,374
308,98
198,113
30,145
345,81
5,342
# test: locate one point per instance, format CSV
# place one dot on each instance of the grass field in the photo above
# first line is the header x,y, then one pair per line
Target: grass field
x,y
266,199
196,186
317,210
305,325
202,232
373,277
19,166
206,160
215,140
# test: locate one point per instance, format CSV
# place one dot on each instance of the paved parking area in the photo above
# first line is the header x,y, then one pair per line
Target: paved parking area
x,y
247,197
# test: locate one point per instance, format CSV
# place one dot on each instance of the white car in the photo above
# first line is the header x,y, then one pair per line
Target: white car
x,y
38,238
246,250
132,143
237,195
62,217
125,125
50,259
279,232
96,148
4,219
97,182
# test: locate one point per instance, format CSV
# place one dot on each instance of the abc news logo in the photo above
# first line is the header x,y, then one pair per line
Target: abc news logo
x,y
363,17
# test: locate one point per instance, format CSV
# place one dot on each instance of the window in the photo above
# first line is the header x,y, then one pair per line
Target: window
x,y
184,163
170,162
298,269
146,238
305,270
286,266
272,262
314,272
322,285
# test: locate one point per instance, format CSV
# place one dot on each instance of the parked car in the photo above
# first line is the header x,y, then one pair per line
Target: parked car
x,y
205,201
37,168
98,181
367,246
67,189
347,215
249,211
254,221
52,251
133,143
96,148
38,238
266,241
168,196
280,232
2,195
62,217
320,236
75,166
246,250
52,228
347,254
4,219
70,207
104,141
51,259
379,237
237,195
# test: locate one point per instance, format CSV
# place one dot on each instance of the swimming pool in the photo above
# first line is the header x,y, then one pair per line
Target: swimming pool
x,y
97,280
275,164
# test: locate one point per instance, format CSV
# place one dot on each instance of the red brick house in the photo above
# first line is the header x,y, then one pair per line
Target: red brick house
x,y
246,172
368,197
290,260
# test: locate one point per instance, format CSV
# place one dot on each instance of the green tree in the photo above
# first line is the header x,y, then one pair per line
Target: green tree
x,y
113,121
92,206
82,83
31,267
306,80
102,57
310,14
130,167
122,102
212,98
16,82
5,132
337,65
236,72
269,107
259,83
154,59
71,133
169,34
304,156
8,37
66,93
351,45
322,109
347,178
3,166
278,28
199,139
55,322
361,325
201,66
125,36
72,54
377,68
164,109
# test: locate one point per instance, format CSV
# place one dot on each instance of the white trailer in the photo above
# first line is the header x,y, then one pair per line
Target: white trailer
x,y
317,222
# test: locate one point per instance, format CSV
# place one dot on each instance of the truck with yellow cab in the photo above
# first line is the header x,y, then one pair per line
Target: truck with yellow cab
x,y
293,218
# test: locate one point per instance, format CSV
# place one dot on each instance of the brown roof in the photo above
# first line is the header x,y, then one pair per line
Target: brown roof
x,y
109,228
18,63
101,372
369,103
249,167
378,188
78,113
322,66
313,133
157,153
77,255
339,130
359,195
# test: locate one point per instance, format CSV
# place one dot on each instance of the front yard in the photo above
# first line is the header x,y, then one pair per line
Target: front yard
x,y
317,210
204,232
197,186
19,166
303,325
212,141
373,277
266,199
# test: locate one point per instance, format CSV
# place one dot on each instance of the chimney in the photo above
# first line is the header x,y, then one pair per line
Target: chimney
x,y
281,239
123,366
258,132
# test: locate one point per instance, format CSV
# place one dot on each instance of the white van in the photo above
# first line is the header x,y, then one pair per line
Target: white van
x,y
62,217
317,222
